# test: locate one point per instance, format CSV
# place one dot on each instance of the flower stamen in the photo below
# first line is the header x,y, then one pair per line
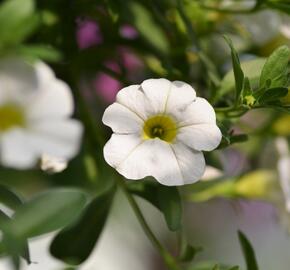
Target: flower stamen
x,y
160,126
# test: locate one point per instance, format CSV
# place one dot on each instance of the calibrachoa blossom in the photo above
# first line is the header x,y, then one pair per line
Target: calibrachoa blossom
x,y
35,111
160,128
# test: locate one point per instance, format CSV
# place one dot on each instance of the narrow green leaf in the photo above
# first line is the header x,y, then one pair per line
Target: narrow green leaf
x,y
188,253
74,244
273,94
166,199
248,252
147,27
170,205
9,198
43,52
238,72
18,249
47,212
235,268
276,68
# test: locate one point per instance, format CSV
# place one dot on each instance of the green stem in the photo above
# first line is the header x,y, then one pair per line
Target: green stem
x,y
167,257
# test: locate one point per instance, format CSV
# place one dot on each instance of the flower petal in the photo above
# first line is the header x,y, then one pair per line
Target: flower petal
x,y
201,137
134,99
15,152
180,96
53,99
157,92
60,139
198,112
18,81
191,163
119,147
170,165
121,119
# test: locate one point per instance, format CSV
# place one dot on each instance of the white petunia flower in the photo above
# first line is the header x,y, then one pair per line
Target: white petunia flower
x,y
35,111
160,128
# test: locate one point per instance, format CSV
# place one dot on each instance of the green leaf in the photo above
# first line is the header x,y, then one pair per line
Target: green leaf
x,y
252,70
43,52
282,6
188,253
166,199
74,244
275,69
4,248
170,205
272,94
147,27
9,198
47,212
234,268
248,252
238,73
17,21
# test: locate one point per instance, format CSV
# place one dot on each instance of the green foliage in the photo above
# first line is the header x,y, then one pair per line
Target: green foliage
x,y
75,243
238,73
275,71
148,28
248,252
166,199
47,212
16,23
9,198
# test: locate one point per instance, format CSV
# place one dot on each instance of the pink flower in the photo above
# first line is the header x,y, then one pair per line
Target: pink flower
x,y
88,33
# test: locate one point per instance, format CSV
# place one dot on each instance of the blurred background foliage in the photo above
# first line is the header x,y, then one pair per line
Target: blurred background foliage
x,y
99,46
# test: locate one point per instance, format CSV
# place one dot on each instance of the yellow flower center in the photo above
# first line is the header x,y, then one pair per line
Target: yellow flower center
x,y
160,126
11,116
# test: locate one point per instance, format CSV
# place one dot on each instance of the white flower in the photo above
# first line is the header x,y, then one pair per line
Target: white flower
x,y
160,128
52,165
35,111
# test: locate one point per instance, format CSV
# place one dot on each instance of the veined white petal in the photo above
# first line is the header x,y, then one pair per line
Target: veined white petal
x,y
119,147
157,92
53,100
180,96
18,81
201,137
16,152
134,99
121,119
191,163
56,138
169,164
198,112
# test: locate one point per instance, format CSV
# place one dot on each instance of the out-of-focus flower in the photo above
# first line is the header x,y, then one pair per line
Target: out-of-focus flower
x,y
284,169
282,125
160,128
128,31
106,85
88,34
211,173
35,111
52,165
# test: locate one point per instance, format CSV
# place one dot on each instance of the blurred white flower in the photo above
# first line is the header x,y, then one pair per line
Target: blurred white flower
x,y
35,111
160,128
52,165
283,167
